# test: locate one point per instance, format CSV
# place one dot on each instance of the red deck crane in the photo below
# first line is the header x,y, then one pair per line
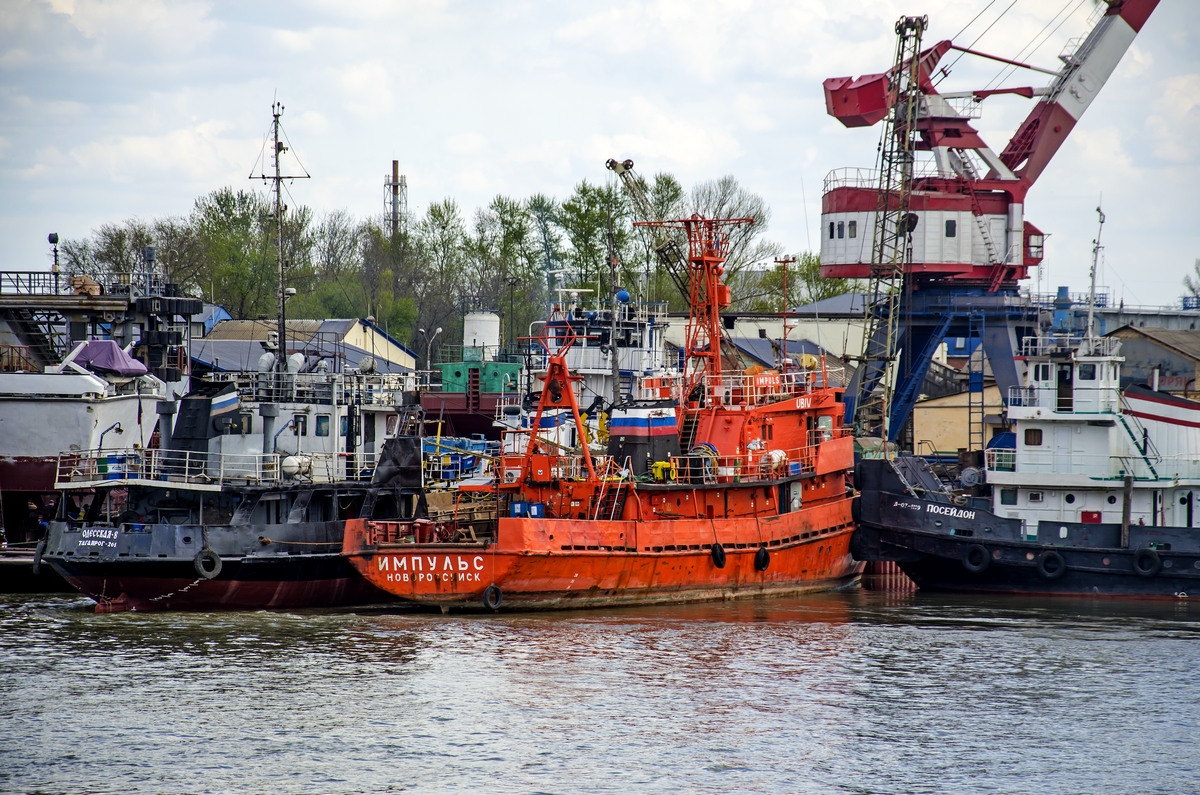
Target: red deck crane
x,y
950,240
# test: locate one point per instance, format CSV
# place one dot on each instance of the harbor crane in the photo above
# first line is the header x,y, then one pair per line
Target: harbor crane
x,y
949,241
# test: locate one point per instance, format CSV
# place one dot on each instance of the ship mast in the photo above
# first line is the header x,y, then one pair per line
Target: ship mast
x,y
278,148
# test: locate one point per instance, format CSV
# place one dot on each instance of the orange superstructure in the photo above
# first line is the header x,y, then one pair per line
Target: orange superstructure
x,y
715,485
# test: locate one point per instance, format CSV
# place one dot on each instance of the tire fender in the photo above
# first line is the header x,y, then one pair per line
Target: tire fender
x,y
208,564
1050,565
976,559
762,559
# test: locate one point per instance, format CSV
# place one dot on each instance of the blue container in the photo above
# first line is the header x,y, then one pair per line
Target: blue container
x,y
794,468
536,510
516,509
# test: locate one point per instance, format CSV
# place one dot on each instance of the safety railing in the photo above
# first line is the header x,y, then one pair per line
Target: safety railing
x,y
380,389
737,388
209,469
1105,467
1077,400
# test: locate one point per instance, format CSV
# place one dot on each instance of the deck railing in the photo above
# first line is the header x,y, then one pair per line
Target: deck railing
x,y
211,470
1101,467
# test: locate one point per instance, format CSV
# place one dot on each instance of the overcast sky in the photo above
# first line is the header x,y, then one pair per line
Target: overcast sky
x,y
134,108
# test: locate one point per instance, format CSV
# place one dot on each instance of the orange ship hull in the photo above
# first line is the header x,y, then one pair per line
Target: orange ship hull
x,y
541,563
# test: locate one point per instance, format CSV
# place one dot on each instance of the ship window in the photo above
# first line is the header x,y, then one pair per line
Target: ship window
x,y
300,424
852,229
1035,496
1033,437
345,426
1070,498
322,425
1112,500
1087,372
1036,243
841,230
831,230
952,229
1008,496
247,424
1043,372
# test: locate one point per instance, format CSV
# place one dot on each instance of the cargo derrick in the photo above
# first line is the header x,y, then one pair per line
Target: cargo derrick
x,y
966,243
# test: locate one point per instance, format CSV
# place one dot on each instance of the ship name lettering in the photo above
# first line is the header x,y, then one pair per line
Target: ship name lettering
x,y
398,564
948,510
99,532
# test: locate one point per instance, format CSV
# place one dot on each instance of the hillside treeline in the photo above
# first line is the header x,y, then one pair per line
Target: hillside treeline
x,y
507,257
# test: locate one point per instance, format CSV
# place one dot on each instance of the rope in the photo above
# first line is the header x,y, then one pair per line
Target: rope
x,y
266,540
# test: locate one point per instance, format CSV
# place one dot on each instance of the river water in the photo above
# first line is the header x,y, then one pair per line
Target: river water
x,y
859,692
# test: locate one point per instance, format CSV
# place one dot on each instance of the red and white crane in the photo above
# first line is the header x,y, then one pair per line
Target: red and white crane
x,y
948,238
969,201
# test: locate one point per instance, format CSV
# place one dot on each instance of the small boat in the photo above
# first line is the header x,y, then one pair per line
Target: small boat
x,y
242,500
245,506
1093,494
757,506
95,359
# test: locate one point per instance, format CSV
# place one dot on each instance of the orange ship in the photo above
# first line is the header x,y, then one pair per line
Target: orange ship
x,y
757,506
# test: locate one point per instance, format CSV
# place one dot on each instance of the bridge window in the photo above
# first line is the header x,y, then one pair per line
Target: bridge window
x,y
1087,372
300,424
1008,496
853,229
952,229
841,230
831,230
1033,437
322,425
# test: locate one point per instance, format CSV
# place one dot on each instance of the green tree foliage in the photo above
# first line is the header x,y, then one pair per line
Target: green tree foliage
x,y
1191,281
422,275
803,281
584,220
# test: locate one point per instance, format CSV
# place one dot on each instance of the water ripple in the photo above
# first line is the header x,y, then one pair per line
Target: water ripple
x,y
841,693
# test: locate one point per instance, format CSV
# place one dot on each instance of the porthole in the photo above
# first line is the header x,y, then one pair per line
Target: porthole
x,y
1112,500
1070,498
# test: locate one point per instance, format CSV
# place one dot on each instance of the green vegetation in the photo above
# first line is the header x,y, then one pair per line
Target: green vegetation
x,y
224,251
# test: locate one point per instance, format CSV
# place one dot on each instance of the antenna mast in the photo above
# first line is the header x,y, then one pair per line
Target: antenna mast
x,y
280,209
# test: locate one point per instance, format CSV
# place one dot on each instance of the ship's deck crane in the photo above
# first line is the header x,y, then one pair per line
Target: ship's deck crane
x,y
665,245
966,240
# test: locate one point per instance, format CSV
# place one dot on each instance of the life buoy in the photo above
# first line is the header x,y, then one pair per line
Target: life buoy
x,y
1050,565
1146,562
718,556
38,551
492,597
207,564
976,559
762,559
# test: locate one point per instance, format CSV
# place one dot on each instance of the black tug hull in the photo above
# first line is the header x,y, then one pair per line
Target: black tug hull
x,y
188,567
944,545
939,563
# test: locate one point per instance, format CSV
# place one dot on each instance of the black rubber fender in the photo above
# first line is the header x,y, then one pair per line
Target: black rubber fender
x,y
976,559
718,556
1146,562
856,509
1050,565
762,559
38,551
207,564
493,597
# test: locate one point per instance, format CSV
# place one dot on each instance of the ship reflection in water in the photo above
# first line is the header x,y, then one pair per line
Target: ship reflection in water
x,y
843,692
